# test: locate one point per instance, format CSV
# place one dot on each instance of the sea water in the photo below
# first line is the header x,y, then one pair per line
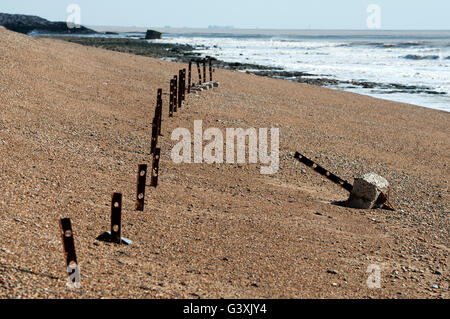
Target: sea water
x,y
419,60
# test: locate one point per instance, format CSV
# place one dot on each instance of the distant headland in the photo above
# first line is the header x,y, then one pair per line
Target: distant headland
x,y
28,23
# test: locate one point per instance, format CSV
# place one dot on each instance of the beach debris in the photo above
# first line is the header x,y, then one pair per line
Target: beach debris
x,y
204,86
114,236
141,180
370,191
367,190
153,35
155,168
332,272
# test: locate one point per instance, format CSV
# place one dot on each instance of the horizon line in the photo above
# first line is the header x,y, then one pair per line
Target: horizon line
x,y
255,28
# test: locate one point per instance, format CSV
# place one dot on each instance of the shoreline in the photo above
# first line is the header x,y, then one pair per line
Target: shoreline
x,y
184,53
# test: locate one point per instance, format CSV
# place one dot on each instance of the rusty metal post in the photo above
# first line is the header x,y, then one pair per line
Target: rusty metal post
x,y
180,89
156,124
155,168
171,99
175,94
183,84
141,180
154,136
65,226
204,70
189,77
210,70
322,171
199,73
116,218
183,79
159,110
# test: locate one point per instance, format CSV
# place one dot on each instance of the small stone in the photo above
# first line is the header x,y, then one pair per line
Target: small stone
x,y
333,272
438,272
435,287
318,214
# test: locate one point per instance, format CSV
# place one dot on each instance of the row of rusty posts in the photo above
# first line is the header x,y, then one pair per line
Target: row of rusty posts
x,y
178,91
201,79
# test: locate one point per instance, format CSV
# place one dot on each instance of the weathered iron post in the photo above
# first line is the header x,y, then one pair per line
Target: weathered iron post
x,y
155,168
159,110
116,218
67,239
180,88
140,193
204,70
175,94
210,70
199,73
156,124
183,85
171,98
189,77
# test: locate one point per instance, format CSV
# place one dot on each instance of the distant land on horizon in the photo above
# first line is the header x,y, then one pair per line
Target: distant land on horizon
x,y
28,23
219,30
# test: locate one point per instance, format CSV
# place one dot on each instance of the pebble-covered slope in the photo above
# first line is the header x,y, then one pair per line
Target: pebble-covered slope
x,y
75,122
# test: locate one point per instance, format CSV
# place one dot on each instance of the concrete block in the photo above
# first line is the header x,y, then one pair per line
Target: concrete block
x,y
366,191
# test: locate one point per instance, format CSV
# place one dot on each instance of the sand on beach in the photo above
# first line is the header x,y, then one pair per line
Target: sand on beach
x,y
75,122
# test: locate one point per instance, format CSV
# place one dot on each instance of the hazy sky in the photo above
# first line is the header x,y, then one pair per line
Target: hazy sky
x,y
279,14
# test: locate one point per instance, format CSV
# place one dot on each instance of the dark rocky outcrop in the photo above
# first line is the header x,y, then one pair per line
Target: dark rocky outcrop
x,y
152,35
421,57
27,23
